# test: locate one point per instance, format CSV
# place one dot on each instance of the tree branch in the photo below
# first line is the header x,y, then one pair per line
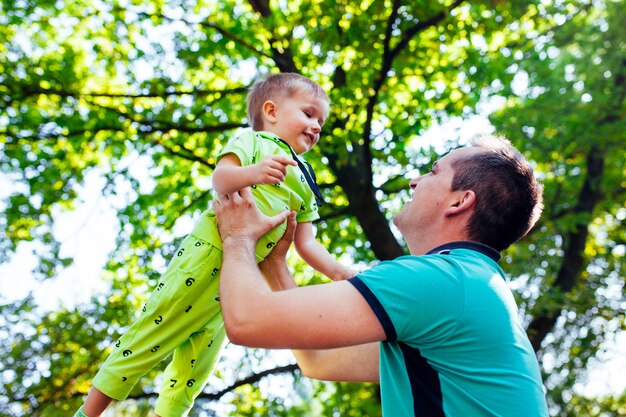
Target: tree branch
x,y
389,55
172,222
235,38
250,380
152,126
188,154
219,394
333,214
28,90
225,33
386,63
283,58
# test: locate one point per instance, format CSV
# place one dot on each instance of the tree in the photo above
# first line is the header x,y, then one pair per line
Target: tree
x,y
104,87
570,119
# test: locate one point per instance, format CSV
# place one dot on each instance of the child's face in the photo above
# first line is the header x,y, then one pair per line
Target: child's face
x,y
297,120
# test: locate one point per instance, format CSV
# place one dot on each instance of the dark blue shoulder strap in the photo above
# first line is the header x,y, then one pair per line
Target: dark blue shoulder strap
x,y
308,173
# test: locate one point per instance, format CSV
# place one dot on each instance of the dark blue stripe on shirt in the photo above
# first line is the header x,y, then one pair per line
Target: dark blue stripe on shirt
x,y
423,378
425,385
376,307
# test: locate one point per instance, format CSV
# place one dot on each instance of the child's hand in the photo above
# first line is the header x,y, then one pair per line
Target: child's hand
x,y
272,169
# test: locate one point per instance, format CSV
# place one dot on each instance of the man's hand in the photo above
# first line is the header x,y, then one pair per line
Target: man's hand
x,y
272,169
274,266
239,218
279,252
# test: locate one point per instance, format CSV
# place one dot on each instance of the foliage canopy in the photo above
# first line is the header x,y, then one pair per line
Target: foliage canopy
x,y
91,86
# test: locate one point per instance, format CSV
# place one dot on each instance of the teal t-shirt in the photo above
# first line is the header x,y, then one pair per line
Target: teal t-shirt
x,y
292,194
455,344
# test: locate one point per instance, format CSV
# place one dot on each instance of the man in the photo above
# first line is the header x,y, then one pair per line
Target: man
x,y
439,328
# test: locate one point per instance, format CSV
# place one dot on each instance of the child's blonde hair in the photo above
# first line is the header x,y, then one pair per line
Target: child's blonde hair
x,y
276,86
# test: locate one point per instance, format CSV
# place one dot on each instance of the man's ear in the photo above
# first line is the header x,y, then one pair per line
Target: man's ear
x,y
269,111
462,201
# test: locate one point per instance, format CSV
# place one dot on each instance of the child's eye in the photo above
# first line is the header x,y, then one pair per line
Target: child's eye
x,y
307,114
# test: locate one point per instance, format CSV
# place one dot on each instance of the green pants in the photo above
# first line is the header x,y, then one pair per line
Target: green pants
x,y
182,316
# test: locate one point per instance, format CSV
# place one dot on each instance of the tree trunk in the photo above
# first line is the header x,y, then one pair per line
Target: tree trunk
x,y
573,263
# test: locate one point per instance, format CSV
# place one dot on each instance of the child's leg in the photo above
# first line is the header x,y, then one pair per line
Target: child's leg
x,y
192,364
188,284
96,403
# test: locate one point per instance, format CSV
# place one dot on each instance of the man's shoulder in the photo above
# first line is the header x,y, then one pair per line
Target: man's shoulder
x,y
410,264
417,260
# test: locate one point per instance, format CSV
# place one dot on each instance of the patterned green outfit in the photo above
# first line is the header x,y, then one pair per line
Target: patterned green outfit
x,y
183,314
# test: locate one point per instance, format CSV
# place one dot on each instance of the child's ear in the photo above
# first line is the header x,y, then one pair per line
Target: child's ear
x,y
269,111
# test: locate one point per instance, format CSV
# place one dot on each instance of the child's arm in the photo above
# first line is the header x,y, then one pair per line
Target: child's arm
x,y
317,256
229,176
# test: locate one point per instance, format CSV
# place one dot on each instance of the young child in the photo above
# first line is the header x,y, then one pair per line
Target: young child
x,y
183,316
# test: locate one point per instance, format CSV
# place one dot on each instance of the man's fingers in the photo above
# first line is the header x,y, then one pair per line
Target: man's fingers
x,y
246,193
238,216
279,218
233,198
291,226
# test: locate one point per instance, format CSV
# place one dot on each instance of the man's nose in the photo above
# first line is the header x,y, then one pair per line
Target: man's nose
x,y
413,182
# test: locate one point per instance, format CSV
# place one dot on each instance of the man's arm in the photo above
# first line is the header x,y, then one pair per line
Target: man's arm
x,y
358,363
313,317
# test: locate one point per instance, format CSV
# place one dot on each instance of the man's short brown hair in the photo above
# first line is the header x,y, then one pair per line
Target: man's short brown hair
x,y
509,200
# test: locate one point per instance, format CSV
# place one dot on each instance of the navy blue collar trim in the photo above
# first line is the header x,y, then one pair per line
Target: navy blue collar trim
x,y
478,247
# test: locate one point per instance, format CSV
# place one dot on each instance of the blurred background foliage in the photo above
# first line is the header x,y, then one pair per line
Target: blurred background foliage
x,y
144,93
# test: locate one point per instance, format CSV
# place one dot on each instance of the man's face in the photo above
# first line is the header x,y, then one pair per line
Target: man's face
x,y
431,195
299,120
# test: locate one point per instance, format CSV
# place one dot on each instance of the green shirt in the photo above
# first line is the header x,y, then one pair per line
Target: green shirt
x,y
292,194
455,344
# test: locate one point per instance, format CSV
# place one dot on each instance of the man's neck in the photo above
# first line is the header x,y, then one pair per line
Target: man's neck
x,y
426,243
